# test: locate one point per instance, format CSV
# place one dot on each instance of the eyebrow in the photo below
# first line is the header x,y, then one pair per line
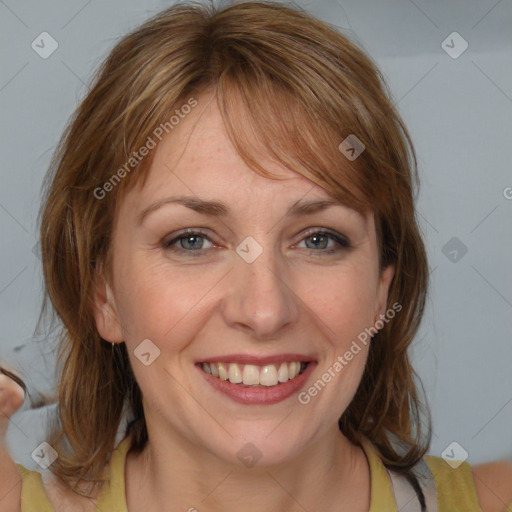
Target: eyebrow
x,y
218,209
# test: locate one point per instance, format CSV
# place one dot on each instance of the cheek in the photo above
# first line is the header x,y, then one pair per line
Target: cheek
x,y
158,302
343,303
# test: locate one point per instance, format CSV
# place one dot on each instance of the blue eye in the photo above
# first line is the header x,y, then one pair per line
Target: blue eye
x,y
192,242
189,242
319,237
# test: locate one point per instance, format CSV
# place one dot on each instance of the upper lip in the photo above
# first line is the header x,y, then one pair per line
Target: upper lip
x,y
257,360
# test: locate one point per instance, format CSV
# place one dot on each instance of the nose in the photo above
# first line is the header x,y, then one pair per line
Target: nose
x,y
261,300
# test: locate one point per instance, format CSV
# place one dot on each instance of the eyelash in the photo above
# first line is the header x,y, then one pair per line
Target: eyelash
x,y
343,242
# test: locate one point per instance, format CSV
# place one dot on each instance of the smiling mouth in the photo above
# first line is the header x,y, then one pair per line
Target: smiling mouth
x,y
250,375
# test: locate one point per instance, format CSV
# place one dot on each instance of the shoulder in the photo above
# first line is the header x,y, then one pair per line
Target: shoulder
x,y
10,483
454,484
64,499
487,486
45,493
493,484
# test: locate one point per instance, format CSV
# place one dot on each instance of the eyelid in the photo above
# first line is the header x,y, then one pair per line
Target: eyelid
x,y
174,237
342,241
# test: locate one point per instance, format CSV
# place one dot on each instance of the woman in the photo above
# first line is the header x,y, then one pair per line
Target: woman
x,y
229,238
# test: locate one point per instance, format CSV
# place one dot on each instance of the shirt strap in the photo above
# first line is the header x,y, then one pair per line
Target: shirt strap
x,y
406,497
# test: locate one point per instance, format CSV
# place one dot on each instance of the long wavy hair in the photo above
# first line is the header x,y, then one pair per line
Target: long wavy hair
x,y
288,84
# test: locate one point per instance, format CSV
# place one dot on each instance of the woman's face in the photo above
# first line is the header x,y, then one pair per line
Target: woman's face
x,y
257,285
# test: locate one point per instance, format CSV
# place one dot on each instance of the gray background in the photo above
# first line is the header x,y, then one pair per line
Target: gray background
x,y
459,112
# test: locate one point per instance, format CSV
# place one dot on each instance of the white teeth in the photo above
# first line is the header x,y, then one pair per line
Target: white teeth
x,y
235,375
253,375
292,370
223,373
283,375
268,375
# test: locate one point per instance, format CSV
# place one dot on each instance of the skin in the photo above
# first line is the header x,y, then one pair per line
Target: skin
x,y
288,300
11,399
293,298
493,483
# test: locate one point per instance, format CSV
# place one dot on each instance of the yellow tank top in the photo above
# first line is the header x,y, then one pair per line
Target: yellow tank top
x,y
455,487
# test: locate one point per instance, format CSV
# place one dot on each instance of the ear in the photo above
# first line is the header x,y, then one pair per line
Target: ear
x,y
385,279
105,312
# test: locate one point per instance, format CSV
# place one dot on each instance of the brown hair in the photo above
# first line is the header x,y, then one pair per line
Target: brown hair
x,y
15,378
304,88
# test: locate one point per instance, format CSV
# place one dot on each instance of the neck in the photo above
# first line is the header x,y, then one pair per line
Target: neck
x,y
331,474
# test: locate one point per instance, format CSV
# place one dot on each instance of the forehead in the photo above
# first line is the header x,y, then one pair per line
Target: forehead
x,y
198,158
199,152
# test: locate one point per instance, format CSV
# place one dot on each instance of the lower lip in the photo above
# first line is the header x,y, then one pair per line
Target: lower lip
x,y
259,396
